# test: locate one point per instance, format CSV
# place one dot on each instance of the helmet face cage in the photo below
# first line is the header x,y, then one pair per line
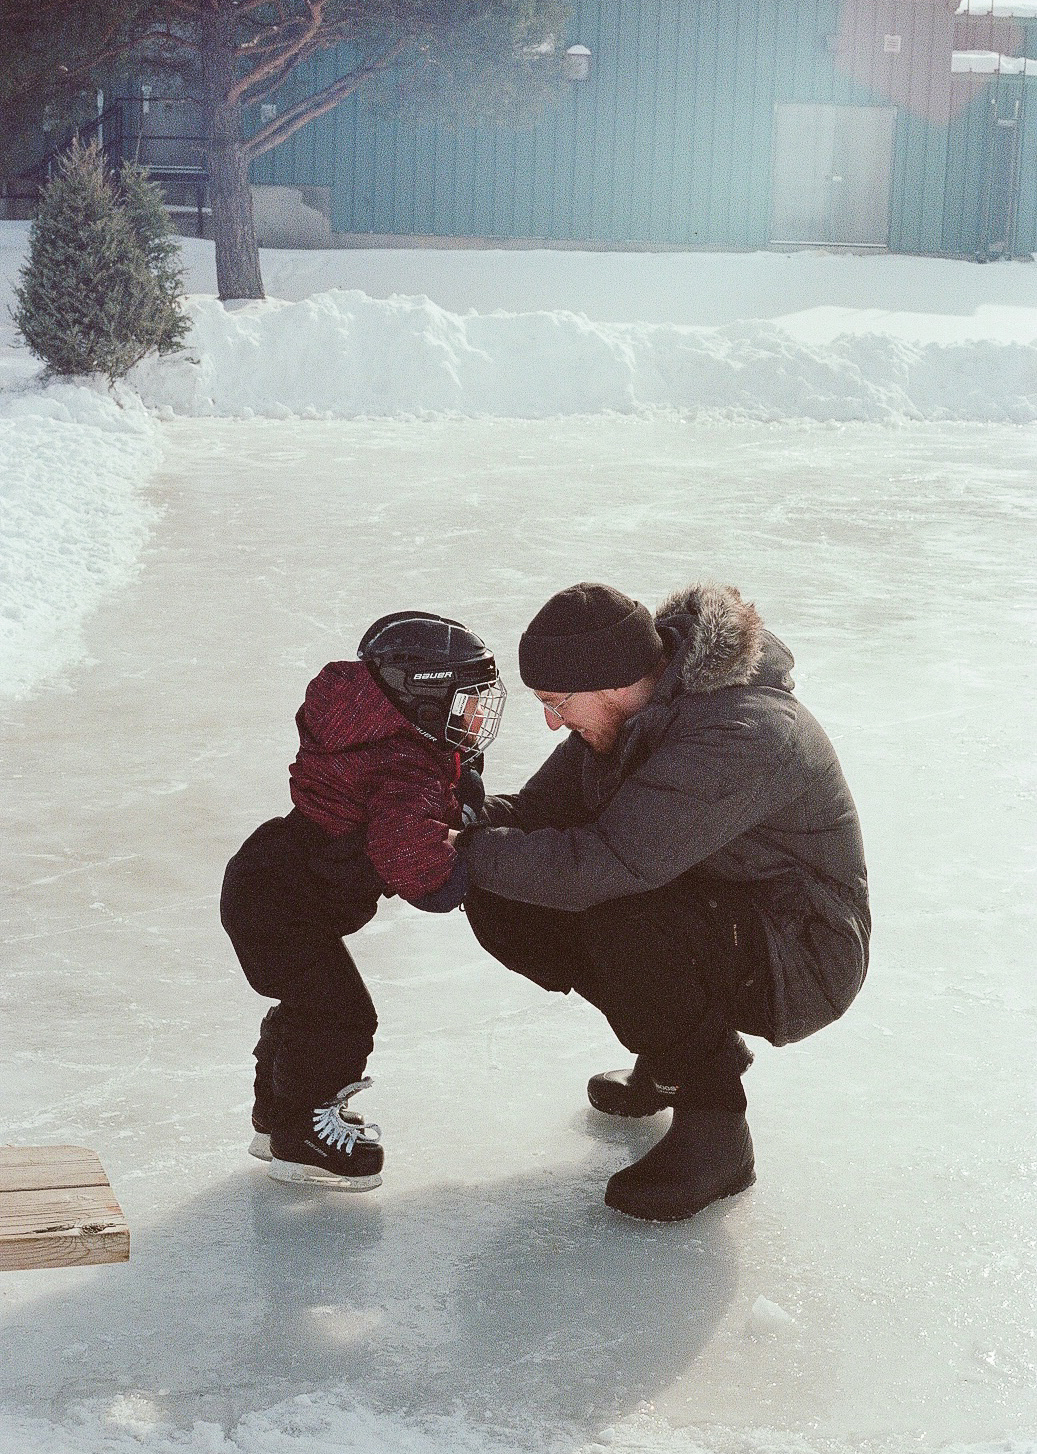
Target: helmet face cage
x,y
474,717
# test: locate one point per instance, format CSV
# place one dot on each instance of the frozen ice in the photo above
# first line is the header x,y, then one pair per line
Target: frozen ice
x,y
767,1319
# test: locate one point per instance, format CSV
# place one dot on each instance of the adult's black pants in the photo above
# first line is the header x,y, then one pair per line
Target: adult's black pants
x,y
290,894
677,972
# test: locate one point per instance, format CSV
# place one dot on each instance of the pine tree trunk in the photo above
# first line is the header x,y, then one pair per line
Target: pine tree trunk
x,y
233,226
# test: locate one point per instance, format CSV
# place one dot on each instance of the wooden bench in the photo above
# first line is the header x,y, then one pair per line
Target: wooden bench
x,y
57,1209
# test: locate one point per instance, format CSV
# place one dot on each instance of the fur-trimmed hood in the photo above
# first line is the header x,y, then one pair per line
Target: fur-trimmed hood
x,y
717,639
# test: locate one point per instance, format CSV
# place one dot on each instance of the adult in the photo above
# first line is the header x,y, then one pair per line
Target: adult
x,y
689,860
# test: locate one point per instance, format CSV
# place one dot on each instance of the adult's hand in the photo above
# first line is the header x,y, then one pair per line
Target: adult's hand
x,y
471,794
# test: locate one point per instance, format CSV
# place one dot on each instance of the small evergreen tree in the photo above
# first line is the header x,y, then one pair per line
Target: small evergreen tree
x,y
87,301
145,211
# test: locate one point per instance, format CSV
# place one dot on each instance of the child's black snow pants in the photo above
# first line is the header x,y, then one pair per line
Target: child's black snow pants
x,y
676,971
290,893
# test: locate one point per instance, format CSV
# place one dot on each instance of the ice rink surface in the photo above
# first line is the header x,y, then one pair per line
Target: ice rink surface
x,y
874,1291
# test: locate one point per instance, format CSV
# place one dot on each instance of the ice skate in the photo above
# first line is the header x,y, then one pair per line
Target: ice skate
x,y
327,1145
260,1146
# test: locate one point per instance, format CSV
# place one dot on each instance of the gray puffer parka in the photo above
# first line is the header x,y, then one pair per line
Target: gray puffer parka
x,y
724,770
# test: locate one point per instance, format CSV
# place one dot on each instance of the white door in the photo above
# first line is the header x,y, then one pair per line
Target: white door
x,y
831,173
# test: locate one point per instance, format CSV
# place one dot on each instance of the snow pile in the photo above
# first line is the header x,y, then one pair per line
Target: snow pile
x,y
344,354
72,518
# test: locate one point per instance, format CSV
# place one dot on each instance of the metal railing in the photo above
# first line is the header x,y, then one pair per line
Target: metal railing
x,y
164,134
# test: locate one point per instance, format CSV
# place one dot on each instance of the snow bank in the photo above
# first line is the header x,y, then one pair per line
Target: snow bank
x,y
319,1424
72,517
344,354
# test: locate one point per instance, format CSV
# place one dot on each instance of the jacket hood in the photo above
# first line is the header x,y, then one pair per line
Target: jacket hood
x,y
345,708
717,639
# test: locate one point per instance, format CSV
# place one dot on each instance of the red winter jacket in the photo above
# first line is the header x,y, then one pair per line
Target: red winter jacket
x,y
362,765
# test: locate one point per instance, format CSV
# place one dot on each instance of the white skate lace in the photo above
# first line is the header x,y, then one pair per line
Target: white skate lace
x,y
342,1129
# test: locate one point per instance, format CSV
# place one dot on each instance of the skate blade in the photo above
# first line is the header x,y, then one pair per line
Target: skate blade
x,y
299,1172
260,1147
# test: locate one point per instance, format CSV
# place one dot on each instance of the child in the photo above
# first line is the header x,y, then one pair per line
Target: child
x,y
389,757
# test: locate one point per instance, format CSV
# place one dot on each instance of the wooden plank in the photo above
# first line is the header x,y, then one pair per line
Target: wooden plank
x,y
83,1248
57,1209
25,1167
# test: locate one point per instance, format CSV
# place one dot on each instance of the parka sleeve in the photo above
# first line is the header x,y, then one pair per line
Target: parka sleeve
x,y
551,798
408,818
694,794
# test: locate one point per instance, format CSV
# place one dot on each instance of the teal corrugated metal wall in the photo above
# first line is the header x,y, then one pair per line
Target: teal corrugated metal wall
x,y
670,139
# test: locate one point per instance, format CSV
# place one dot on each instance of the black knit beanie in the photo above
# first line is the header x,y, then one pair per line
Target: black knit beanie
x,y
588,638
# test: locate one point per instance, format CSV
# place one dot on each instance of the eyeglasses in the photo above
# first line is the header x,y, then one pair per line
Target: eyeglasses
x,y
555,709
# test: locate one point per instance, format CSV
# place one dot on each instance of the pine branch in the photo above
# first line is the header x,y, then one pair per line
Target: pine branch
x,y
282,127
255,89
289,54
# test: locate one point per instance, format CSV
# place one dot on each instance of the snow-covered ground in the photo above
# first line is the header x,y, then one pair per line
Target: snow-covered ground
x,y
875,1291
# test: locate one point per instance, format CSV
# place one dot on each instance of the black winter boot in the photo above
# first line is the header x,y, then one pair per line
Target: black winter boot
x,y
633,1092
637,1092
706,1154
327,1144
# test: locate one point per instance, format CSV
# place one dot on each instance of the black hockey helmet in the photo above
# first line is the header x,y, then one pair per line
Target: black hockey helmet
x,y
439,675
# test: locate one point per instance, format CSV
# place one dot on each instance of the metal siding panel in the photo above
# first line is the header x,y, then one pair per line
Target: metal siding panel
x,y
973,163
930,42
585,100
539,189
381,175
625,92
343,196
918,218
725,158
484,181
605,142
764,93
584,104
558,128
647,82
423,184
741,185
681,130
365,162
442,190
810,70
502,213
1026,222
906,207
660,215
464,182
740,161
954,205
522,184
705,119
606,23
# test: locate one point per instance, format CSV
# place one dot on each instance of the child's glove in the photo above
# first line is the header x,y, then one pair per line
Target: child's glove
x,y
471,795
